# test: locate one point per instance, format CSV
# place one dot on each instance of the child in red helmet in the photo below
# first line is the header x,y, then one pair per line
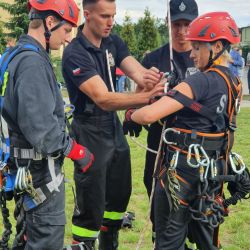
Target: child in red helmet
x,y
199,140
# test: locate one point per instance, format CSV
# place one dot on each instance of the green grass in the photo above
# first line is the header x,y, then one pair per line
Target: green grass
x,y
235,230
246,97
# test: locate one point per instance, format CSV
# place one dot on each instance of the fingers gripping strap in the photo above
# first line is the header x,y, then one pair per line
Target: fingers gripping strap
x,y
193,105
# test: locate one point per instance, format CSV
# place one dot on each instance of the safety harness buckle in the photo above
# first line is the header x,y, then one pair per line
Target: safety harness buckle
x,y
24,153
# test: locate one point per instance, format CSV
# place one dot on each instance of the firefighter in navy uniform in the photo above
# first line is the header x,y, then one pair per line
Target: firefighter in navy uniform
x,y
197,145
89,64
33,116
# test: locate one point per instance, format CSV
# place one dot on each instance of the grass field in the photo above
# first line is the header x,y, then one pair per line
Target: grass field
x,y
234,232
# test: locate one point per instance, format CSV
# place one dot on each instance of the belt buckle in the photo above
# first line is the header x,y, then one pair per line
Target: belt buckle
x,y
37,156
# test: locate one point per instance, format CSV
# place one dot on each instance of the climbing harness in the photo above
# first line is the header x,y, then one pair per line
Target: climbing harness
x,y
203,152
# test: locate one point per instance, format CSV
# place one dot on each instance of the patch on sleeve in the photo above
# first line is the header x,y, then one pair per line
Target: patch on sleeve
x,y
76,71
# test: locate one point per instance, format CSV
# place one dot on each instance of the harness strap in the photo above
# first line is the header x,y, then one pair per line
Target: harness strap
x,y
234,92
193,105
25,153
51,165
4,77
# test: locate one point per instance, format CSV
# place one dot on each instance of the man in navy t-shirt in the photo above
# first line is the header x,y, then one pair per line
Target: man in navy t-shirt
x,y
89,65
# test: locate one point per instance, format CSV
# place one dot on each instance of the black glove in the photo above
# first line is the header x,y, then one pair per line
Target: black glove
x,y
130,127
127,219
241,184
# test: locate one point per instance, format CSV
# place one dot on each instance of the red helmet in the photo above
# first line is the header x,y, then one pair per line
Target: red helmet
x,y
66,9
213,26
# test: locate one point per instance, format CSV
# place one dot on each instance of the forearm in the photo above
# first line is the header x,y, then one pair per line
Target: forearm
x,y
119,101
163,107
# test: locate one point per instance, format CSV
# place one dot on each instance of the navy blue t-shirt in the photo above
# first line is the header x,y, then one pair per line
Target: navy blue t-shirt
x,y
82,60
211,90
160,58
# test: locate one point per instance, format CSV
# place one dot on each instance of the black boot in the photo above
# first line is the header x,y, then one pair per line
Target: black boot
x,y
108,238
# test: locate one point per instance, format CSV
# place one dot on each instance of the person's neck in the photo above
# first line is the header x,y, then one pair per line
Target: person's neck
x,y
182,47
38,35
91,37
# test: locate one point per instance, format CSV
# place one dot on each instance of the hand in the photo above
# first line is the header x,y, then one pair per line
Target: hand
x,y
130,127
158,89
151,77
82,156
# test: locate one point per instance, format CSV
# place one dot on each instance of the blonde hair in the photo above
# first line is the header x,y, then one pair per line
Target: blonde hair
x,y
225,57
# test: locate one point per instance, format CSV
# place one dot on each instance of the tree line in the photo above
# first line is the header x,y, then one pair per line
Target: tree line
x,y
147,34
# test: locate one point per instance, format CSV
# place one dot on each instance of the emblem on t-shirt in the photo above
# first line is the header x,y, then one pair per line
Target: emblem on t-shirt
x,y
76,71
111,60
182,7
223,101
190,71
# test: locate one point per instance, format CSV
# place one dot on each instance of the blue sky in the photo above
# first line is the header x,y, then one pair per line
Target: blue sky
x,y
239,9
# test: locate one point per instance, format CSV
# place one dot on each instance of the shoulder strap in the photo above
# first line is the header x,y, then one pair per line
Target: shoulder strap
x,y
7,58
4,77
234,91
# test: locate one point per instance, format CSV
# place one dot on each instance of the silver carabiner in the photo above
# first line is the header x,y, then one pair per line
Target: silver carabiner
x,y
213,168
237,106
189,156
21,183
239,161
201,153
164,135
174,160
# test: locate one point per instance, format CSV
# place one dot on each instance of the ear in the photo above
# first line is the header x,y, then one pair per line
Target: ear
x,y
50,22
218,46
86,14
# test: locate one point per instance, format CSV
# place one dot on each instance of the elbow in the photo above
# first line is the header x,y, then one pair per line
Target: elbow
x,y
104,105
145,119
148,119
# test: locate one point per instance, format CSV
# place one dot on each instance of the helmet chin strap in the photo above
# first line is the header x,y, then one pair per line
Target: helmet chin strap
x,y
47,35
47,32
211,58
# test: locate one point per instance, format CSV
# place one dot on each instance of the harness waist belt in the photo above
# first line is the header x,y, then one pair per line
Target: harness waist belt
x,y
184,140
